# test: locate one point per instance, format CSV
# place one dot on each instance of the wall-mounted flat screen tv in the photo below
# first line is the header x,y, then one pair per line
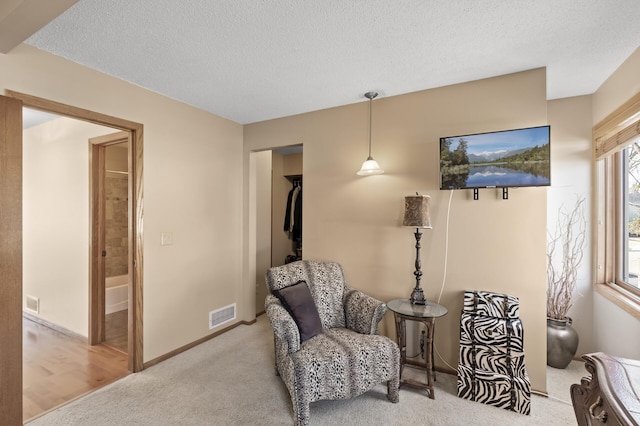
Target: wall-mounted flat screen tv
x,y
503,159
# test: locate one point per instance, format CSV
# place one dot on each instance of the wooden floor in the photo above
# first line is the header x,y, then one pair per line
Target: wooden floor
x,y
58,368
116,331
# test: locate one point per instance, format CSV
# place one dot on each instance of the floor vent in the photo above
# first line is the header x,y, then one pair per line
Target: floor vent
x,y
32,304
222,316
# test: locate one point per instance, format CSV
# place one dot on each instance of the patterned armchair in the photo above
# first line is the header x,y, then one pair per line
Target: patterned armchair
x,y
348,357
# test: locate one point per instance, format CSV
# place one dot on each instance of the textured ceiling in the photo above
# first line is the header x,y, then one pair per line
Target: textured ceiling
x,y
252,60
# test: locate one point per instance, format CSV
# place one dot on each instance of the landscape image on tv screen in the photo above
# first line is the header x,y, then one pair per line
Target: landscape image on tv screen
x,y
509,158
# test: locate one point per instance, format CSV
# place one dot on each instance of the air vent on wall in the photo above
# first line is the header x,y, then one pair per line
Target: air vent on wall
x,y
222,316
32,304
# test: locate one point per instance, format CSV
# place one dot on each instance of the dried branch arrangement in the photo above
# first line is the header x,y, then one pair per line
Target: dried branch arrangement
x,y
562,268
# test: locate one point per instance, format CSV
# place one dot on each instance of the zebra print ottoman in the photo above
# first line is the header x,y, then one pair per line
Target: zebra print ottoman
x,y
491,367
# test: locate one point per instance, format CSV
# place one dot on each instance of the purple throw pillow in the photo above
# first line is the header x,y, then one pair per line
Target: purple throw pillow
x,y
297,300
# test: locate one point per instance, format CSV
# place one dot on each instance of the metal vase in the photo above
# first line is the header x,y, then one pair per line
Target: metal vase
x,y
562,342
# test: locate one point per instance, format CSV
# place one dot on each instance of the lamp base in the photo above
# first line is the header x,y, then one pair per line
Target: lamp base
x,y
417,297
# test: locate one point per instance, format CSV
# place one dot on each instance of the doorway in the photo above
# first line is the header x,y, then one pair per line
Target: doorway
x,y
135,157
278,173
110,186
11,226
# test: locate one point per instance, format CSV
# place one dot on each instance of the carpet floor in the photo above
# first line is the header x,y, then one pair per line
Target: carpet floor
x,y
230,380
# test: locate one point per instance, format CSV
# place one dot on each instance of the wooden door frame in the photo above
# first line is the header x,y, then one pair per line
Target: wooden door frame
x,y
97,229
11,261
135,131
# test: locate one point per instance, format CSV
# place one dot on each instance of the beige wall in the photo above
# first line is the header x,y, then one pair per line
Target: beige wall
x,y
493,244
616,331
263,224
571,176
192,187
618,88
56,219
292,165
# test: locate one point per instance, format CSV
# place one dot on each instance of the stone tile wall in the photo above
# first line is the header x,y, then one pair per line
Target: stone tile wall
x,y
116,225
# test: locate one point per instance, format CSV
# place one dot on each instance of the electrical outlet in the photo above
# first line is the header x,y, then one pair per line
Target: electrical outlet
x,y
32,304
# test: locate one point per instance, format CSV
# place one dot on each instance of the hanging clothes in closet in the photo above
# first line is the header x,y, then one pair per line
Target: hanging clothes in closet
x,y
293,212
296,228
293,220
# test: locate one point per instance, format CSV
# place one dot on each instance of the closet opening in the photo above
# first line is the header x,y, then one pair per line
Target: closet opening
x,y
279,212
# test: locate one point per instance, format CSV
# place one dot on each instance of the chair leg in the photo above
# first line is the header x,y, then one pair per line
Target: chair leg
x,y
393,390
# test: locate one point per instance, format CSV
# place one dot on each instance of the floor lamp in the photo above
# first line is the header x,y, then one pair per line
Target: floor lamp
x,y
416,215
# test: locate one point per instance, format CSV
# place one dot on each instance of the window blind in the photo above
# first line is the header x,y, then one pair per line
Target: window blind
x,y
619,129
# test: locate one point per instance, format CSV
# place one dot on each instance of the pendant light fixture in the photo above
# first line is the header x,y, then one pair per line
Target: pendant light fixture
x,y
370,166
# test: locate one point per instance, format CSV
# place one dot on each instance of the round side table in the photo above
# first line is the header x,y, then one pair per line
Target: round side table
x,y
403,310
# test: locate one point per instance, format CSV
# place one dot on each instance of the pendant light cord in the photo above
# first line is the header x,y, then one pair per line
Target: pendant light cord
x,y
370,96
370,101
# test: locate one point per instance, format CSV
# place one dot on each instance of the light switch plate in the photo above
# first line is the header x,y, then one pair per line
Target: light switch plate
x,y
166,238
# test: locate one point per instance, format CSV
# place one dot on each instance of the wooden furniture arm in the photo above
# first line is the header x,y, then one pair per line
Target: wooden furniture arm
x,y
611,395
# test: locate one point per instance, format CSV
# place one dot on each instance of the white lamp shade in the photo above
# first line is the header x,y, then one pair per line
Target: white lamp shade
x,y
370,167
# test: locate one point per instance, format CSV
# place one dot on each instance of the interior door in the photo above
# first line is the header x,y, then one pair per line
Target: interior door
x,y
98,251
10,261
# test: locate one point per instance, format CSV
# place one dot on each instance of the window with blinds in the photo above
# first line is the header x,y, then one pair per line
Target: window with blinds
x,y
618,130
617,153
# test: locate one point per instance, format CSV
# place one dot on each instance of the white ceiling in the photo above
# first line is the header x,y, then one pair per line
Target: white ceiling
x,y
253,60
